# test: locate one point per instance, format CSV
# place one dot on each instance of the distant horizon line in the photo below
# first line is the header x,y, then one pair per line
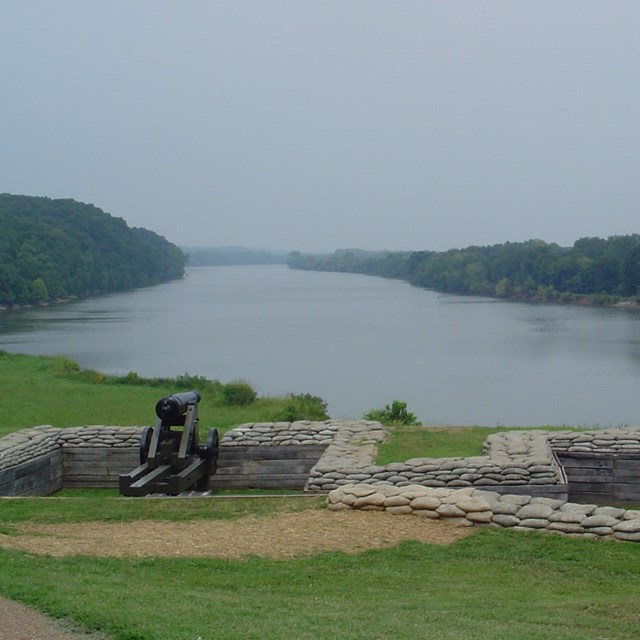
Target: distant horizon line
x,y
281,251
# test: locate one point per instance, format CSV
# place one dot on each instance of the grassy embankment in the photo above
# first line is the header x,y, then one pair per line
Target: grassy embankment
x,y
53,390
496,584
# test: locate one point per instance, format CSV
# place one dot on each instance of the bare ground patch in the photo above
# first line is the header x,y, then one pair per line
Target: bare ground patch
x,y
19,622
283,536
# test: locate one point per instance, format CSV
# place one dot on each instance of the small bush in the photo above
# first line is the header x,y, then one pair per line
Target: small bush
x,y
188,382
302,406
90,376
131,378
60,365
395,413
237,394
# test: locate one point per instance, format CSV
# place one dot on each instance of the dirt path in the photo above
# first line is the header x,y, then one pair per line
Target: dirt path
x,y
282,536
19,622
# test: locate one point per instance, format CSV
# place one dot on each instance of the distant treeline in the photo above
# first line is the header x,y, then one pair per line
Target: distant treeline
x,y
219,256
58,249
592,271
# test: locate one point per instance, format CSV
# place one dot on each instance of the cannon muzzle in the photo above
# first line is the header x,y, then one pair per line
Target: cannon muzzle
x,y
171,408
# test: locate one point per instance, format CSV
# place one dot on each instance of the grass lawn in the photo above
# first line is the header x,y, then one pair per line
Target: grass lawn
x,y
42,390
495,584
105,505
407,442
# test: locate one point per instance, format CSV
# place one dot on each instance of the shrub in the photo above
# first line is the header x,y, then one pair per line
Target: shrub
x,y
302,406
90,376
60,365
237,393
395,413
188,382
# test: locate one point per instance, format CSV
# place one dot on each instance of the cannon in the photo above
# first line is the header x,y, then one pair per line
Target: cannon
x,y
172,461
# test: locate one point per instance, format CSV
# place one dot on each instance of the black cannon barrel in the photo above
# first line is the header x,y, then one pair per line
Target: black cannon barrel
x,y
172,408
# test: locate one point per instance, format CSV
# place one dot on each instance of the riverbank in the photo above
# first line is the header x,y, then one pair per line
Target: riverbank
x,y
593,300
43,390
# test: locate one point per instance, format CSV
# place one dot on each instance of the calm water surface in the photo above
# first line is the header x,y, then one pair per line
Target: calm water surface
x,y
359,342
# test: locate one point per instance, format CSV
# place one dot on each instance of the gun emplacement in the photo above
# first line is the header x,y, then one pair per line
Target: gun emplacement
x,y
172,461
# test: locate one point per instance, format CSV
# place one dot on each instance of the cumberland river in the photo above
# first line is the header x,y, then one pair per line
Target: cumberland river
x,y
358,342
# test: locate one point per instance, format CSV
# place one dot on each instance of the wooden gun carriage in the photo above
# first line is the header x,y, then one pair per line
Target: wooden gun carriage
x,y
172,461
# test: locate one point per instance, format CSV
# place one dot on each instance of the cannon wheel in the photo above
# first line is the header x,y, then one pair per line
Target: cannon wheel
x,y
145,443
209,453
212,449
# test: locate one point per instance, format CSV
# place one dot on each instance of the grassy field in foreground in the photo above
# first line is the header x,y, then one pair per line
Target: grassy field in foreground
x,y
496,584
38,390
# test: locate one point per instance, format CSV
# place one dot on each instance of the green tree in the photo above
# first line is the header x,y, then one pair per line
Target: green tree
x,y
39,291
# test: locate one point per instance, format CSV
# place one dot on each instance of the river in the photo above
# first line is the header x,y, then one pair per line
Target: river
x,y
359,342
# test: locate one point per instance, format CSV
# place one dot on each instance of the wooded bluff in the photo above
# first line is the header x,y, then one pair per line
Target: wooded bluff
x,y
58,249
592,271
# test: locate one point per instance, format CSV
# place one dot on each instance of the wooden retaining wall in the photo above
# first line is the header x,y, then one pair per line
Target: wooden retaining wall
x,y
265,467
592,478
602,479
255,467
96,467
40,476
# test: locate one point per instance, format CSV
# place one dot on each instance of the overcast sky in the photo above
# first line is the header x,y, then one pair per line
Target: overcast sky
x,y
315,125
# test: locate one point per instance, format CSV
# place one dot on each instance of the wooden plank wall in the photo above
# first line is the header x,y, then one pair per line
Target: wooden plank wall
x,y
38,477
602,479
265,467
255,467
96,467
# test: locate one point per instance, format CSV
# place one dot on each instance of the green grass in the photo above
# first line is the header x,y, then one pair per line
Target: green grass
x,y
496,584
406,442
103,505
432,442
45,390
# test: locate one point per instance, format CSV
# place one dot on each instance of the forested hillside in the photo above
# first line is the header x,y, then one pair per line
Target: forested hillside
x,y
56,249
593,270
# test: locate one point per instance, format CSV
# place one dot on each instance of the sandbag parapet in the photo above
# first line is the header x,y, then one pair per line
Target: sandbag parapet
x,y
301,432
470,507
27,444
516,461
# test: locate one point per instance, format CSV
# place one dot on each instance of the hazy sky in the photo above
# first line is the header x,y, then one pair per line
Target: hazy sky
x,y
314,125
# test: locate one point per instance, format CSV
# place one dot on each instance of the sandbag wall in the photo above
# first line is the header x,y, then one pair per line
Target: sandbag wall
x,y
271,455
514,462
471,507
601,466
43,460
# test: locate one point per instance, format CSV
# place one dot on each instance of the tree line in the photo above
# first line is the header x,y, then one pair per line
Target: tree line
x,y
592,271
223,256
59,249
